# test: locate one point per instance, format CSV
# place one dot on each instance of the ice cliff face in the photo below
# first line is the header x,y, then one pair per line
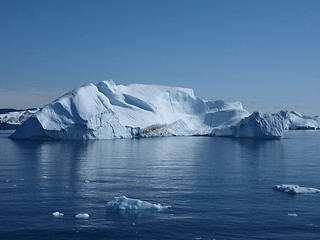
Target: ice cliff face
x,y
107,111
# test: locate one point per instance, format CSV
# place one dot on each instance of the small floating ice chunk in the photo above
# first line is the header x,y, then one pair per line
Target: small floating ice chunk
x,y
57,214
86,181
292,215
124,203
7,180
82,215
44,177
296,189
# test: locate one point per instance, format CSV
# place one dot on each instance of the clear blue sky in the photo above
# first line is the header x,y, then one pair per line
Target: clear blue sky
x,y
263,53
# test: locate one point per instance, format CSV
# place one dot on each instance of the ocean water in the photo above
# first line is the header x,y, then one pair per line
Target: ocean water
x,y
218,188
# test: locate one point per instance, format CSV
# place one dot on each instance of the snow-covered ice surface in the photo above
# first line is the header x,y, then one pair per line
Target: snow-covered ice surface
x,y
82,215
108,111
124,203
13,120
296,189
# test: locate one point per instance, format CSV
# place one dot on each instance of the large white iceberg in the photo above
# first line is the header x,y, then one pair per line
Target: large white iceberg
x,y
296,189
108,111
124,203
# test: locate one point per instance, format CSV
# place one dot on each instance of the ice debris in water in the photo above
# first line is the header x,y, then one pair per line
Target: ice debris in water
x,y
124,203
82,215
295,189
292,215
44,177
57,214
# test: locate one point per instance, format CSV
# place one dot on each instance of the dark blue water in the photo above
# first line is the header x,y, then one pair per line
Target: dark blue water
x,y
219,188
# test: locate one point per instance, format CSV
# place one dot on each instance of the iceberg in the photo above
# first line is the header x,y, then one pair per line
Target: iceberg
x,y
109,111
124,203
12,119
297,121
296,189
255,126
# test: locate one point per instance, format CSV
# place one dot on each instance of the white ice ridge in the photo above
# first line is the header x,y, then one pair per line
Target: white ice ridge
x,y
108,111
57,214
124,203
82,215
296,189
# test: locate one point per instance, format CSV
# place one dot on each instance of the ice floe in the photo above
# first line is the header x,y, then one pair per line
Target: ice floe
x,y
292,215
57,214
82,215
124,203
296,189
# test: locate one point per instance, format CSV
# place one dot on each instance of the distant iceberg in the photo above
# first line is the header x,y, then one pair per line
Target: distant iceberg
x,y
108,111
297,121
14,118
296,189
124,203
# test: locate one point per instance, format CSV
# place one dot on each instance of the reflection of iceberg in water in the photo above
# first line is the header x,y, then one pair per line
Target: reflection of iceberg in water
x,y
54,170
87,169
87,173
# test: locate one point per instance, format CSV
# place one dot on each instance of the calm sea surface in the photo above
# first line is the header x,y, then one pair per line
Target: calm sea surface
x,y
219,188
